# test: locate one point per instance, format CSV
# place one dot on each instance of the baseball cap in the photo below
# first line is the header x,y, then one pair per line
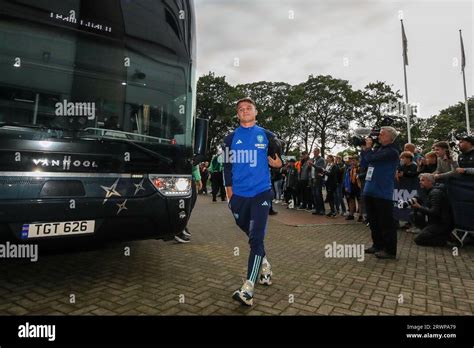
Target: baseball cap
x,y
466,137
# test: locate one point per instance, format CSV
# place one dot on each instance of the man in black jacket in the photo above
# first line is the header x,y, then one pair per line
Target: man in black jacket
x,y
433,217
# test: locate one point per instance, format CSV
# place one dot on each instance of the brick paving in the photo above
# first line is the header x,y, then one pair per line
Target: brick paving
x,y
164,278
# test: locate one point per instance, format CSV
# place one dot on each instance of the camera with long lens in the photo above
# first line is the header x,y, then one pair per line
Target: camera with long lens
x,y
360,134
406,204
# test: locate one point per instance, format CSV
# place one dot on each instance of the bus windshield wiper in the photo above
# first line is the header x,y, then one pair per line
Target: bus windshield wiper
x,y
54,132
13,124
152,153
148,151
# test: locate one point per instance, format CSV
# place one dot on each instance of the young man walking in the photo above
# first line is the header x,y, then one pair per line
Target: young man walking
x,y
248,151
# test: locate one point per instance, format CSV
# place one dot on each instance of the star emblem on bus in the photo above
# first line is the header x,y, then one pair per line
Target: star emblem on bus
x,y
122,206
139,187
111,191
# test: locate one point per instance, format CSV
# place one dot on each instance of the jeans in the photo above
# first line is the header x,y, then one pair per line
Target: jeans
x,y
339,199
318,198
277,189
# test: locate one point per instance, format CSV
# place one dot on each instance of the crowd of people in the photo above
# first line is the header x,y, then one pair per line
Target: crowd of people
x,y
361,186
334,186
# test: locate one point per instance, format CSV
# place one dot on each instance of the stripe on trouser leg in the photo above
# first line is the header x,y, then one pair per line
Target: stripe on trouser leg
x,y
255,269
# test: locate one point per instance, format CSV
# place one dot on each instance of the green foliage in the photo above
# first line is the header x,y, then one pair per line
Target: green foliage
x,y
317,112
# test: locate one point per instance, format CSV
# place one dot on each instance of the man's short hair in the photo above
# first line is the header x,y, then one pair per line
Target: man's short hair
x,y
392,131
430,177
246,99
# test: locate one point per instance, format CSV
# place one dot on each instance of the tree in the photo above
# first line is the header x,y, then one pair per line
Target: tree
x,y
373,101
438,127
326,108
274,108
215,102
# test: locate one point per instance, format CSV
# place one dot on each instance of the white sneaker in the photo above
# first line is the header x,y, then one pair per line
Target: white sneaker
x,y
244,295
266,275
186,232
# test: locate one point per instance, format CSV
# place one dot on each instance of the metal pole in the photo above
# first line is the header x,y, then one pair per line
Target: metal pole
x,y
466,105
406,88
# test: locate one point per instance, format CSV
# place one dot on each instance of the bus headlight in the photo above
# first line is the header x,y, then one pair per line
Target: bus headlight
x,y
171,186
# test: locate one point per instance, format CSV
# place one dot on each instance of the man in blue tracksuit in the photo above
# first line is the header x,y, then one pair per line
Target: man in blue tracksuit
x,y
378,193
248,151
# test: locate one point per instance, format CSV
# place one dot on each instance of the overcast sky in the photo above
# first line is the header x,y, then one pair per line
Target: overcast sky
x,y
358,40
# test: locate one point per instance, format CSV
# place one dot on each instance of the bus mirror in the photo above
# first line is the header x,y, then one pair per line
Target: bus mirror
x,y
200,138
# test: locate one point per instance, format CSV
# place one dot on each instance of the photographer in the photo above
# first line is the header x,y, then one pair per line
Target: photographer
x,y
433,218
378,193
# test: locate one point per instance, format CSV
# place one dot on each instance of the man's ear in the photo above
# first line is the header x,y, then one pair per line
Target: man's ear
x,y
256,112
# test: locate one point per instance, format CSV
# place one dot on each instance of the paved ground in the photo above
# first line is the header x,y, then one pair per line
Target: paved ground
x,y
198,278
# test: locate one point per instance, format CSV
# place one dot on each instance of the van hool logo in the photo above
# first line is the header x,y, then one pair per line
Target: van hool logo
x,y
66,163
75,109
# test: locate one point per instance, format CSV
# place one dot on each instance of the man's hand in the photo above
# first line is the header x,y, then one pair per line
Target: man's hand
x,y
199,185
229,192
460,170
416,205
275,163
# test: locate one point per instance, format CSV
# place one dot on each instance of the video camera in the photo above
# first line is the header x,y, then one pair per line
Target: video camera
x,y
358,139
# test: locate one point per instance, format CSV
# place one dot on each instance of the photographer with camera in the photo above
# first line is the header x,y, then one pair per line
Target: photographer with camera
x,y
434,217
378,193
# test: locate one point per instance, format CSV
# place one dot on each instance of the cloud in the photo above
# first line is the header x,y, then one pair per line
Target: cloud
x,y
322,35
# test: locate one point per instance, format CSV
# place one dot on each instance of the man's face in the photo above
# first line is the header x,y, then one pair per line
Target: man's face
x,y
425,183
316,153
304,156
465,146
385,137
246,112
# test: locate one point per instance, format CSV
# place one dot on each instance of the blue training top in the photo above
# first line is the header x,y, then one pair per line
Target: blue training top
x,y
245,160
380,178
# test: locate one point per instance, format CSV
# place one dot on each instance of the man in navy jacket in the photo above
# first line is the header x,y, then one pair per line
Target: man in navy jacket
x,y
378,193
248,153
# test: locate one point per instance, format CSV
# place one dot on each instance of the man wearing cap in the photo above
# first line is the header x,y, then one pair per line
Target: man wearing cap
x,y
248,151
465,159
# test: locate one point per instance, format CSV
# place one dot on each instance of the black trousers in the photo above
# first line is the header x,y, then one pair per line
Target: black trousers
x,y
303,193
382,224
431,234
290,193
217,181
